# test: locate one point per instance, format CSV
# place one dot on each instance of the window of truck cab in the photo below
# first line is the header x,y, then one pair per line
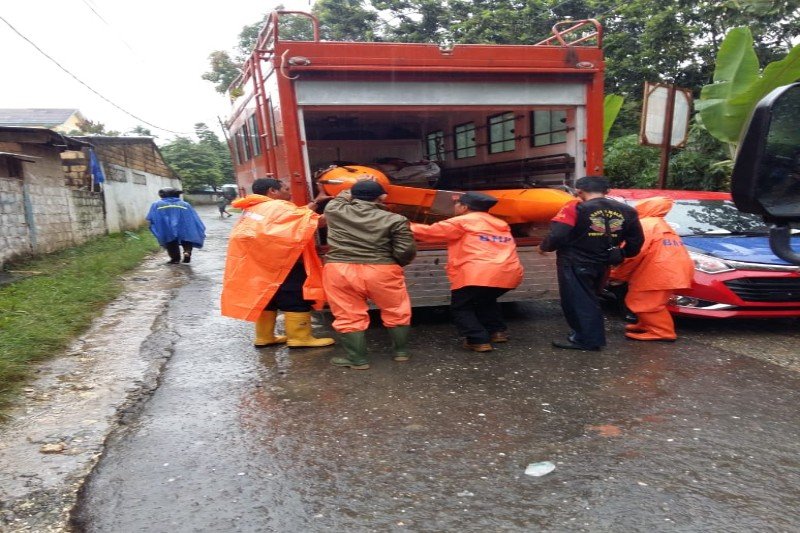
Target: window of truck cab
x,y
237,144
244,137
272,128
464,135
502,136
255,135
548,126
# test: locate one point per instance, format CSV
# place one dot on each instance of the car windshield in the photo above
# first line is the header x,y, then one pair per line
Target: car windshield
x,y
713,217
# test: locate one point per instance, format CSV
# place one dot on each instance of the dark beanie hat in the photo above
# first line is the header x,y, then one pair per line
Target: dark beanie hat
x,y
477,201
367,190
592,184
169,192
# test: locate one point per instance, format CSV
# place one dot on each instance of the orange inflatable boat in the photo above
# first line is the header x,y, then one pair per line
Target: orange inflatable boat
x,y
515,206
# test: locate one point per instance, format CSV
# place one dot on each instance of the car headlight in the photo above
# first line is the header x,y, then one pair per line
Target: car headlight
x,y
708,264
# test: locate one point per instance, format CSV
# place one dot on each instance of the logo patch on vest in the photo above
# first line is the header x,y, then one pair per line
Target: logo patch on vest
x,y
494,238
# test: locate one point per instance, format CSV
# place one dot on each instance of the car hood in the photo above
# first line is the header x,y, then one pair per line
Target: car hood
x,y
735,248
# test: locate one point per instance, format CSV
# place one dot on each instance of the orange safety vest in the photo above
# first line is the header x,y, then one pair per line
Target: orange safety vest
x,y
480,250
263,247
663,263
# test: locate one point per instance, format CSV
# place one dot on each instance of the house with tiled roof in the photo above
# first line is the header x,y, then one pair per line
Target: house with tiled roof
x,y
58,120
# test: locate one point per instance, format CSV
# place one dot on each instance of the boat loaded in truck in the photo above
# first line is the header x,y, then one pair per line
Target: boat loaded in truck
x,y
519,122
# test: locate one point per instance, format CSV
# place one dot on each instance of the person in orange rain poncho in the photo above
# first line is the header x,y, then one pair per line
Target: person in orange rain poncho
x,y
662,266
369,246
272,265
482,265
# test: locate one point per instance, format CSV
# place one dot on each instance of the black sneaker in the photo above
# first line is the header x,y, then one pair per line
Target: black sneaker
x,y
187,258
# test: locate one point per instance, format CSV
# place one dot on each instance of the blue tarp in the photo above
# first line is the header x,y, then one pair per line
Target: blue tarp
x,y
95,168
173,219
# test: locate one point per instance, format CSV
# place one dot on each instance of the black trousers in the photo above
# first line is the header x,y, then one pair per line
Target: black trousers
x,y
174,250
579,286
290,294
476,313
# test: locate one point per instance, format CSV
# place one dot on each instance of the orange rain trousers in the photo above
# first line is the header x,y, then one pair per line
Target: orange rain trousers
x,y
348,286
654,321
662,266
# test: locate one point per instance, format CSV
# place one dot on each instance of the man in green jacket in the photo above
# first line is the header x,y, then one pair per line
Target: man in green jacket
x,y
369,246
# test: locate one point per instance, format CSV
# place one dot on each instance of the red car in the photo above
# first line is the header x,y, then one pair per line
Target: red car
x,y
736,274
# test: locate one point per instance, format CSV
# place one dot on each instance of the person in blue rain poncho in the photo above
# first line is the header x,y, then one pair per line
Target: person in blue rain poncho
x,y
176,225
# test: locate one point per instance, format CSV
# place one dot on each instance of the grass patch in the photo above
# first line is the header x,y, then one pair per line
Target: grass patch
x,y
41,314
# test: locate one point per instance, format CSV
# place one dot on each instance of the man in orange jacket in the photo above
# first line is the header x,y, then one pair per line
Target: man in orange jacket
x,y
662,266
272,265
482,265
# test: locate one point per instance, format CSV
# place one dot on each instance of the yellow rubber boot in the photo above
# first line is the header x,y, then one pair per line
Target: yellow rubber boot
x,y
265,330
298,329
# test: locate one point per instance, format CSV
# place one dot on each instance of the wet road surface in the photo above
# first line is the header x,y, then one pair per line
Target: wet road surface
x,y
691,436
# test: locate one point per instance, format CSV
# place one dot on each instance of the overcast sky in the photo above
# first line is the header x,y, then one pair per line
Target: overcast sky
x,y
146,56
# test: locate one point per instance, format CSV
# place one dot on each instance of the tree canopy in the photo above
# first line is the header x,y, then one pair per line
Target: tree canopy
x,y
669,40
673,41
89,127
202,163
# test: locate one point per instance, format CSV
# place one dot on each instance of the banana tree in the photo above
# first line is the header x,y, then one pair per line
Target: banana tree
x,y
726,104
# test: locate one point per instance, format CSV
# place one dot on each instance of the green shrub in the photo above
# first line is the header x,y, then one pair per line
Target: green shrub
x,y
41,314
629,165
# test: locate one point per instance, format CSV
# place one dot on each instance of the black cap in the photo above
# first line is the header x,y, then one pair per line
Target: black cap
x,y
367,190
169,192
477,201
592,184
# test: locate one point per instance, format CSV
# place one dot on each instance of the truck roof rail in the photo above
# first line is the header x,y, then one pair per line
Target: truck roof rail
x,y
567,33
575,33
269,32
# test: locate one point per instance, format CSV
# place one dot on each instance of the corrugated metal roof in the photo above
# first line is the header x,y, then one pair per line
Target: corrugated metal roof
x,y
23,157
40,136
99,140
35,117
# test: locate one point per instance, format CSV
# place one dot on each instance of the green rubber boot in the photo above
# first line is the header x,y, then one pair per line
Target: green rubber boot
x,y
399,337
355,344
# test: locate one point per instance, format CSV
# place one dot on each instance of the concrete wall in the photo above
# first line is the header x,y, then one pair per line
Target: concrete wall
x,y
128,195
14,241
40,214
87,215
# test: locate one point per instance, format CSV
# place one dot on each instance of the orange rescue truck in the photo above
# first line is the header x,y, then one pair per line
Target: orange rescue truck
x,y
519,122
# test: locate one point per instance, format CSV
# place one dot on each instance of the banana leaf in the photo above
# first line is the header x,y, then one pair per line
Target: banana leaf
x,y
736,71
612,103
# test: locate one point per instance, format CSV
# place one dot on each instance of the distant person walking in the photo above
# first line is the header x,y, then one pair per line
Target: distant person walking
x,y
222,205
482,265
662,266
176,225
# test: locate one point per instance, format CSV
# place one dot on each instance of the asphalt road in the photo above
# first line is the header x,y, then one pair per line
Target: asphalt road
x,y
691,436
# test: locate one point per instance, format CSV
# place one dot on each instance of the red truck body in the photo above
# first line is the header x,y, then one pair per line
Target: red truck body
x,y
490,116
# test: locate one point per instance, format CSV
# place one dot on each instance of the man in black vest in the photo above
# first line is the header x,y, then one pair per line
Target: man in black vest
x,y
583,234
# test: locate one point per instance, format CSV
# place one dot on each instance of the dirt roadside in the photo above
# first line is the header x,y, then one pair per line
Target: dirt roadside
x,y
57,430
